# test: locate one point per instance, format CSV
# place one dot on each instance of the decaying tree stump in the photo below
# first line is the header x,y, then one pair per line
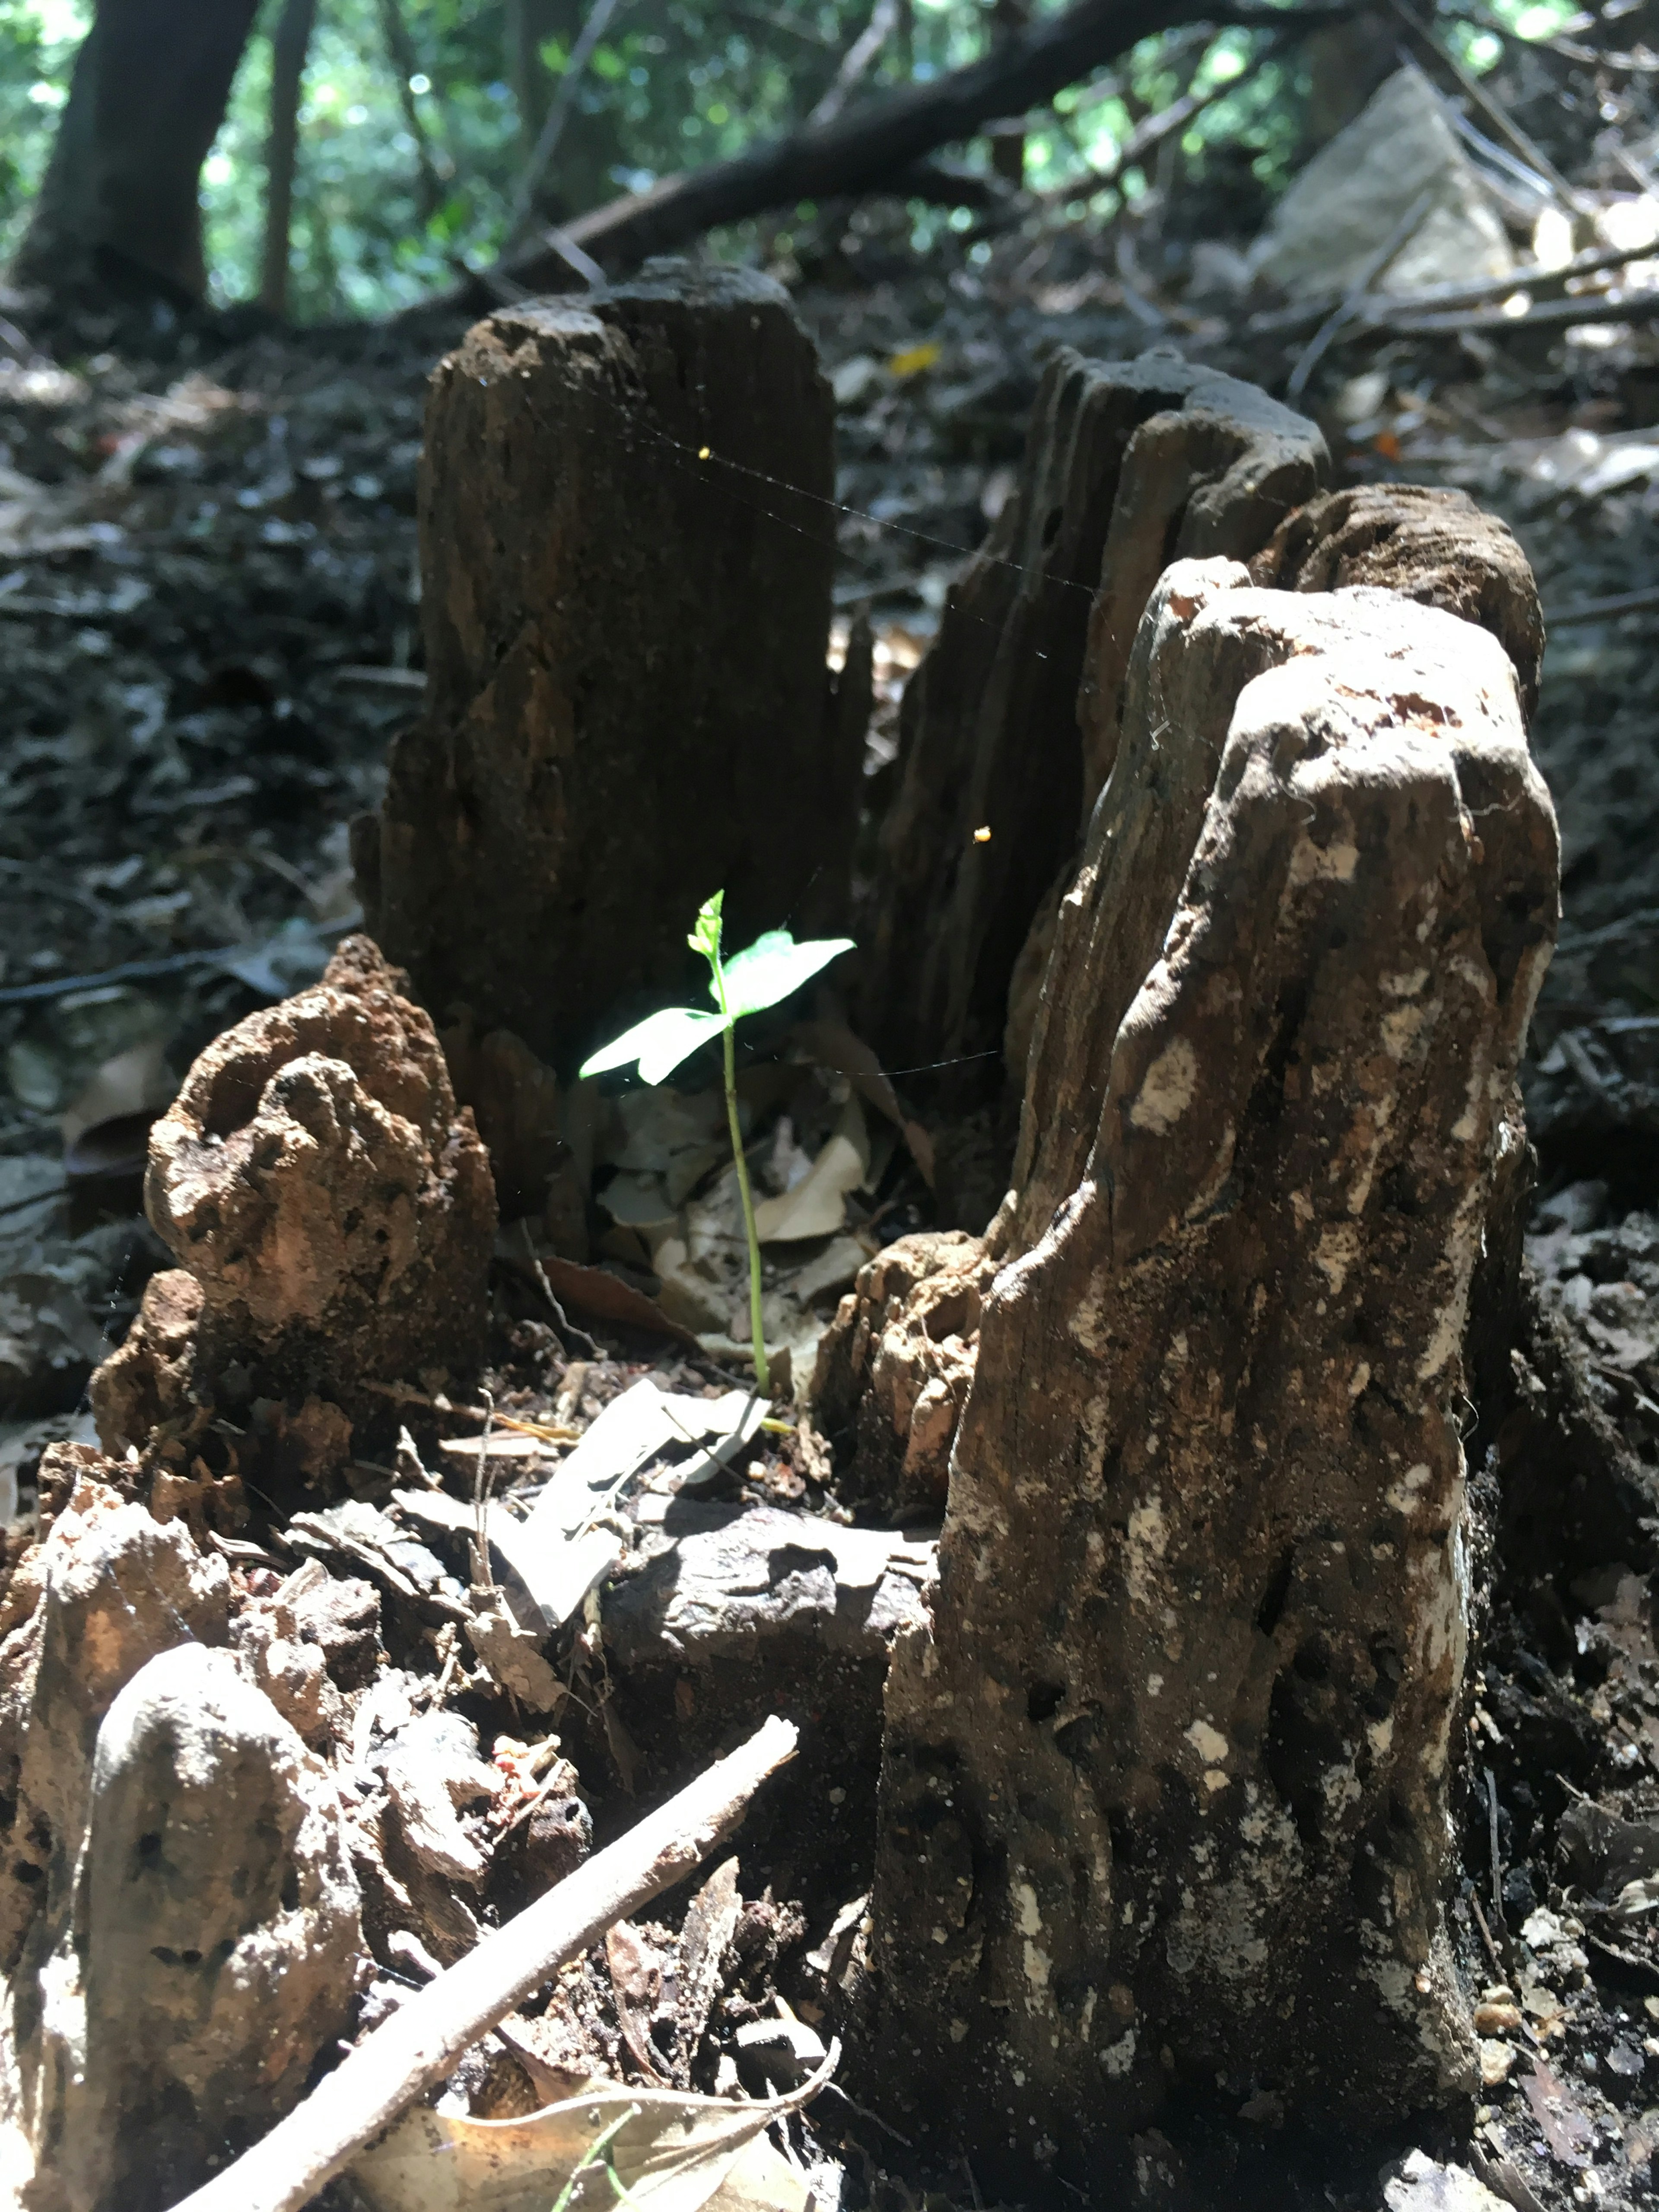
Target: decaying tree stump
x,y
1425,542
1009,723
1167,1790
1432,546
627,543
332,1210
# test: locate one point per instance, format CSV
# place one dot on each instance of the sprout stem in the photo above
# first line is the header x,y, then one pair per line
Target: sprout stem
x,y
763,1379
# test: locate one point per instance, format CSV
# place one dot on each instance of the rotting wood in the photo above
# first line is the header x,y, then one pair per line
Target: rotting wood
x,y
422,2040
1009,723
1430,544
1433,546
627,539
1170,1775
332,1211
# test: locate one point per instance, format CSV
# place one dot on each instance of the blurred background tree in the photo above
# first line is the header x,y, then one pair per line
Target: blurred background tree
x,y
415,119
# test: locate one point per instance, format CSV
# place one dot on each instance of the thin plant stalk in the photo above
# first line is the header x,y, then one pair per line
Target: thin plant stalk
x,y
601,2147
762,1378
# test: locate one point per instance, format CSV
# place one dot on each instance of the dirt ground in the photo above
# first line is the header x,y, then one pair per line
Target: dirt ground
x,y
210,628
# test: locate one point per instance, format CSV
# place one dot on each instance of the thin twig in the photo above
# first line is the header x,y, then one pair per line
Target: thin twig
x,y
558,114
482,1577
562,1320
1528,150
400,51
1498,1967
1383,307
1150,133
870,39
1622,603
403,1394
421,2041
1401,234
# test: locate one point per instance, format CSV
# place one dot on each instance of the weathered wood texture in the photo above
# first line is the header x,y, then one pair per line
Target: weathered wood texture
x,y
1166,1791
627,543
1009,723
330,1210
1434,547
179,1917
1427,543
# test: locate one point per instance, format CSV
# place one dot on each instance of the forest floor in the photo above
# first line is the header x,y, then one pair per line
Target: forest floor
x,y
210,631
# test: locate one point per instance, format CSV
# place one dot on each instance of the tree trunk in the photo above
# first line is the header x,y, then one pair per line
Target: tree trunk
x,y
288,46
121,195
627,547
1123,465
1169,1789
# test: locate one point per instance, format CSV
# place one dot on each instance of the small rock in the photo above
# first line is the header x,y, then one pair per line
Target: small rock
x,y
1495,2061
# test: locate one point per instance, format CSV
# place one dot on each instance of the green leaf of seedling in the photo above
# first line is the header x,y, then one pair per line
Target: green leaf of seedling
x,y
774,966
659,1043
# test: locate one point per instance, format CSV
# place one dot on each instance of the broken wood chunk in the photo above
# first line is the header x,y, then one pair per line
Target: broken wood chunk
x,y
115,1588
332,1210
628,539
1009,725
1167,1787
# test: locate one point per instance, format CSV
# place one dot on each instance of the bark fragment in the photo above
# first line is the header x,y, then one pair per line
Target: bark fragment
x,y
1166,1791
627,546
216,1939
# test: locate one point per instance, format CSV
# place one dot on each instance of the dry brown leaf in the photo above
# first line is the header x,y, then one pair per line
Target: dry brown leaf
x,y
603,1297
679,2152
636,1985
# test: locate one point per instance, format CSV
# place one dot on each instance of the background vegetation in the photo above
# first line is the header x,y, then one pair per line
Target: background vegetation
x,y
675,83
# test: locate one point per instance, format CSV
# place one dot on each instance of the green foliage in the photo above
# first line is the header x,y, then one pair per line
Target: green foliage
x,y
761,975
675,84
38,39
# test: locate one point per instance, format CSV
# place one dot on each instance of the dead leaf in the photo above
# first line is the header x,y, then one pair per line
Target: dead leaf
x,y
677,2152
817,1205
1567,2131
637,1983
833,1045
605,1297
710,1922
107,1129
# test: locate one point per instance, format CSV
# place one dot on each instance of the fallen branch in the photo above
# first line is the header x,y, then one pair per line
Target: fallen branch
x,y
1383,309
420,2043
866,149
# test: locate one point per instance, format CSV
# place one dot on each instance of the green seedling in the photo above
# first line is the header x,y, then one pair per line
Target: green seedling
x,y
602,2149
749,981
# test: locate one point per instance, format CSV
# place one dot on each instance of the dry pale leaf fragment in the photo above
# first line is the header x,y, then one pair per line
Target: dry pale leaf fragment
x,y
817,1205
678,2153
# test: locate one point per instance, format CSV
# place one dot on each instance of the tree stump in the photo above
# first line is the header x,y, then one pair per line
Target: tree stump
x,y
626,540
1086,955
1167,1790
1009,723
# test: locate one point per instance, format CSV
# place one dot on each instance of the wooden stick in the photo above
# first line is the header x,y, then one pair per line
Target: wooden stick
x,y
422,2040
